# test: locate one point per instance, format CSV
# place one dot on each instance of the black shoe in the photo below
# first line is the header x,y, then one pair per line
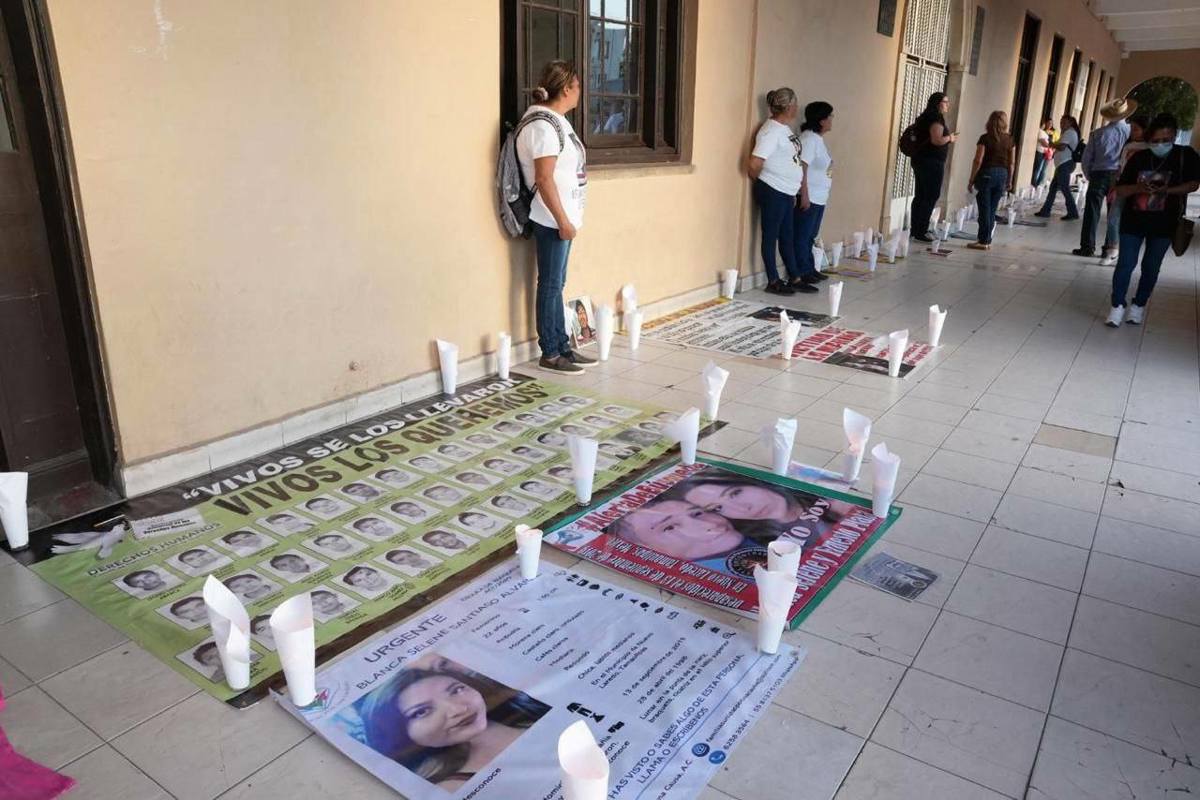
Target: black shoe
x,y
815,277
779,287
576,357
804,288
1079,251
1070,217
924,237
559,366
1046,215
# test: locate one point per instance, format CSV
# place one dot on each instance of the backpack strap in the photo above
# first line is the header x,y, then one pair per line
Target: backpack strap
x,y
544,116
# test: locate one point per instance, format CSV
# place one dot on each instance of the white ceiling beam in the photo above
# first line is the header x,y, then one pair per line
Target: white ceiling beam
x,y
1157,34
1152,19
1107,7
1164,44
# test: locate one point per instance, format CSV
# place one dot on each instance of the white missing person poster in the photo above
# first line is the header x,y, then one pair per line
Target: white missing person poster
x,y
468,698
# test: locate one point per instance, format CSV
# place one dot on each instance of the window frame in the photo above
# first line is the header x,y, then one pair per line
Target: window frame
x,y
667,143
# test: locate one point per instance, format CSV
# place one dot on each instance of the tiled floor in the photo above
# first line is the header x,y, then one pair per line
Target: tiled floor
x,y
1051,475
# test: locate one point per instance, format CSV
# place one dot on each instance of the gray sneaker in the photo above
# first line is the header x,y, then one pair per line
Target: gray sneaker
x,y
559,365
578,358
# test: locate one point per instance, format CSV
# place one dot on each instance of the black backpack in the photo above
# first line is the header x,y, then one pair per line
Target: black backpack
x,y
913,141
1077,153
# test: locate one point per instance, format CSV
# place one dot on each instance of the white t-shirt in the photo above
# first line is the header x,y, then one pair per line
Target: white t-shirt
x,y
779,149
538,140
815,154
1071,139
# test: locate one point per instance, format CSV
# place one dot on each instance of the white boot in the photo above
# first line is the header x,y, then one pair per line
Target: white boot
x,y
1116,316
1136,314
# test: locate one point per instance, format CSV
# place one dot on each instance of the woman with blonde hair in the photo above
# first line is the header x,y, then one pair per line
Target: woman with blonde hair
x,y
991,175
774,166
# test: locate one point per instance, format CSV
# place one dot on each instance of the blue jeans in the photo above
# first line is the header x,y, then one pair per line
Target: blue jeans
x,y
990,185
1131,245
1099,182
552,255
1061,182
778,229
808,225
1039,168
1112,224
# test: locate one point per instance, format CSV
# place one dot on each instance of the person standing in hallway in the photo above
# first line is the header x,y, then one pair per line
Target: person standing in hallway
x,y
991,175
814,191
1101,159
1044,152
554,161
774,166
929,166
1064,166
1154,185
1137,141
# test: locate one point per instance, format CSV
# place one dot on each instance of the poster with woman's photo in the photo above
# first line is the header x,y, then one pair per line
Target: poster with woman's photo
x,y
467,698
701,530
581,325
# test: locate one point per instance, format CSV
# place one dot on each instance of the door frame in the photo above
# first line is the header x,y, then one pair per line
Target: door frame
x,y
40,87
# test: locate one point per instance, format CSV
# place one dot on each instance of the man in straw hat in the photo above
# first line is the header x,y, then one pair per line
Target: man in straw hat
x,y
1101,161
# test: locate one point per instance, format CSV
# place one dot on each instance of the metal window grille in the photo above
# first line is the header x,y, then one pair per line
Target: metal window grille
x,y
926,52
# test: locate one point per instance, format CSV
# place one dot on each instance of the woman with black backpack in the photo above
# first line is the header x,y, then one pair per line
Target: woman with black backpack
x,y
929,162
1064,167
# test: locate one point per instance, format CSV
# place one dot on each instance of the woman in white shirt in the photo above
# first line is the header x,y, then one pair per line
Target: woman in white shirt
x,y
774,166
1064,167
814,190
554,162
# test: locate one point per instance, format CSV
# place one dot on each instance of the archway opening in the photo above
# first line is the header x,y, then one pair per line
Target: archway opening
x,y
1165,94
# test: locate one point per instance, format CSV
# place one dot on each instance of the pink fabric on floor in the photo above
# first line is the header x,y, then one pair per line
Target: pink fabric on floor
x,y
22,779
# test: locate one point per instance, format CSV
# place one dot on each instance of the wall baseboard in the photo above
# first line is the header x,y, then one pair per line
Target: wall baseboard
x,y
155,473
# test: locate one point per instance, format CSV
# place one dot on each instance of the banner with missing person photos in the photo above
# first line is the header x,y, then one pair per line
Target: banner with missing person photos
x,y
368,518
737,327
700,531
468,698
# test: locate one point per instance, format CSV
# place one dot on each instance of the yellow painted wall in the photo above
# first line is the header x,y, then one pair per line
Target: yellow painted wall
x,y
274,189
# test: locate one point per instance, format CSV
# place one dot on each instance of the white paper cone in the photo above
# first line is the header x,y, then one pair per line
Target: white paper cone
x,y
1012,216
789,331
605,328
14,514
870,237
885,466
529,550
889,250
937,245
583,466
872,256
857,428
295,641
859,239
504,356
904,242
713,378
633,328
448,356
775,592
770,632
818,258
783,555
231,631
685,429
729,279
780,438
937,318
935,215
962,218
629,300
835,297
835,254
583,764
897,344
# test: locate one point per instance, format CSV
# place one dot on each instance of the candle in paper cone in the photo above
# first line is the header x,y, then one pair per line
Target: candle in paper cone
x,y
14,514
231,631
583,466
504,356
448,356
935,215
790,334
685,429
857,428
1012,216
962,218
885,466
904,242
783,555
295,641
713,378
583,764
872,256
897,344
629,301
859,239
729,279
937,245
937,318
889,250
775,592
835,254
835,297
633,328
604,330
770,631
869,238
818,258
780,438
529,550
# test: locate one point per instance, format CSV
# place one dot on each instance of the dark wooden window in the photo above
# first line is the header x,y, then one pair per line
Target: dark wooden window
x,y
629,54
1025,57
1056,51
886,22
1072,80
977,39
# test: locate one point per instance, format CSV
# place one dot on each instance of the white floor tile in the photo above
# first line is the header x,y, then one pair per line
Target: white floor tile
x,y
1031,557
1047,520
1138,638
1014,603
961,499
1154,589
880,773
869,620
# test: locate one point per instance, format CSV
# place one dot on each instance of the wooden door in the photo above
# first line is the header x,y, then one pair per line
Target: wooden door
x,y
40,427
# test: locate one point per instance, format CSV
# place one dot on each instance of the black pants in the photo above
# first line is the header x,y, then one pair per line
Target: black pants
x,y
928,173
1099,182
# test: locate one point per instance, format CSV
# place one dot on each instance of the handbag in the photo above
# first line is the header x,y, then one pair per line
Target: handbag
x,y
1185,228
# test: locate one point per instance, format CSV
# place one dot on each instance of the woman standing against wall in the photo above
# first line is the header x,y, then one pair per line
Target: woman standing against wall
x,y
991,175
774,166
929,165
814,190
553,160
1044,151
1064,167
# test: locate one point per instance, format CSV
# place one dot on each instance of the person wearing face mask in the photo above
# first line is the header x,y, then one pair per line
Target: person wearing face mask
x,y
774,166
1154,187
